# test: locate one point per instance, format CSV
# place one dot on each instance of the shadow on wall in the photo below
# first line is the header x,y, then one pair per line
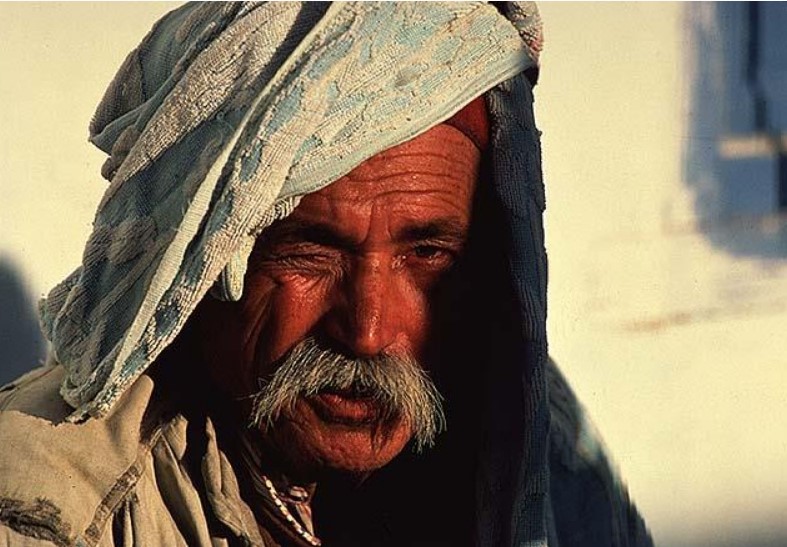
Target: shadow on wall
x,y
22,346
735,158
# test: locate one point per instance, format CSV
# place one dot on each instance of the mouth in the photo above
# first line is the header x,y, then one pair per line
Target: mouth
x,y
346,408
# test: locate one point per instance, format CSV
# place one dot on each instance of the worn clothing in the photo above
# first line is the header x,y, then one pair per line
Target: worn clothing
x,y
135,477
145,476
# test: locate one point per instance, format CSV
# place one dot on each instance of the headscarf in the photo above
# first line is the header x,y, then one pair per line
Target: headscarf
x,y
227,113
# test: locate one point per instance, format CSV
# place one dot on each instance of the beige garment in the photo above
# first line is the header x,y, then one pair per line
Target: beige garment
x,y
125,479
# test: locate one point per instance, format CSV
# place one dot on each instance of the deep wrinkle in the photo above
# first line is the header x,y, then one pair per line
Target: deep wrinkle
x,y
355,265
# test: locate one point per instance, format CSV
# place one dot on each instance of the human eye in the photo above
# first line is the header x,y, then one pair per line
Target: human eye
x,y
429,252
435,256
302,255
303,258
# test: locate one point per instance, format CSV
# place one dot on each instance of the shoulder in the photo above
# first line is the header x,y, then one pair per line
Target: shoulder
x,y
36,392
590,504
58,478
142,475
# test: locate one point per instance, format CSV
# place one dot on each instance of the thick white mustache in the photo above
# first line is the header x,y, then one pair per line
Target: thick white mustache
x,y
398,385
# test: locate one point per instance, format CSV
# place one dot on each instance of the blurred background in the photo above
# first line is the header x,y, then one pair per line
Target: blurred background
x,y
665,158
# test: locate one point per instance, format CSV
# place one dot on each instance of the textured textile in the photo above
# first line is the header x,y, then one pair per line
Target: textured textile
x,y
513,459
589,506
135,477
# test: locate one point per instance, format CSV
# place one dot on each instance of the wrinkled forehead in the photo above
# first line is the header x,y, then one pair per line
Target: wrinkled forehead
x,y
427,181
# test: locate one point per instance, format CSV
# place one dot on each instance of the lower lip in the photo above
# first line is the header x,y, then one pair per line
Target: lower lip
x,y
332,407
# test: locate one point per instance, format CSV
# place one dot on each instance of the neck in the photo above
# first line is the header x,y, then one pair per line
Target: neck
x,y
260,460
288,500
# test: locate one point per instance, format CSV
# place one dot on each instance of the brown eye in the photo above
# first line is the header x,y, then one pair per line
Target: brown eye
x,y
428,251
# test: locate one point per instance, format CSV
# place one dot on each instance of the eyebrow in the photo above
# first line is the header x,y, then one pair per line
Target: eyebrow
x,y
445,229
450,230
314,232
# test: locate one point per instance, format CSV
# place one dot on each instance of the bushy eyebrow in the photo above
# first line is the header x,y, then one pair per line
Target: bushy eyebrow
x,y
293,231
448,230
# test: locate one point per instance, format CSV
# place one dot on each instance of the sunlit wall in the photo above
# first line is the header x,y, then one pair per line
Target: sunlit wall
x,y
674,342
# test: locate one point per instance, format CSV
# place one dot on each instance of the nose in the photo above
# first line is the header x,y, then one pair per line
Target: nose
x,y
368,315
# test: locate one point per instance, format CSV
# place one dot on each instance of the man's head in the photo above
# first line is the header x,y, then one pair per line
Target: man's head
x,y
221,120
335,325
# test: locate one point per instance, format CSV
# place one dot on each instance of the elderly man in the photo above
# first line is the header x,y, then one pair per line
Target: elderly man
x,y
312,308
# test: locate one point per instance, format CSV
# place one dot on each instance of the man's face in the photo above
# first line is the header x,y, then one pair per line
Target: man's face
x,y
354,267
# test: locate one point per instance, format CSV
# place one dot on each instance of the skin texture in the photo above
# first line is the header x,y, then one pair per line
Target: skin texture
x,y
356,264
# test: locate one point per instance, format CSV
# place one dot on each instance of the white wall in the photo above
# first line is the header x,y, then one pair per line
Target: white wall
x,y
677,348
56,60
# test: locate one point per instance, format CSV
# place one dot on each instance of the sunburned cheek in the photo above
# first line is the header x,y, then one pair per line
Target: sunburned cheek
x,y
425,281
296,306
296,292
283,291
412,303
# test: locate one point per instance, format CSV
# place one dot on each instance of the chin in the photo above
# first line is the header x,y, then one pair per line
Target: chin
x,y
324,436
